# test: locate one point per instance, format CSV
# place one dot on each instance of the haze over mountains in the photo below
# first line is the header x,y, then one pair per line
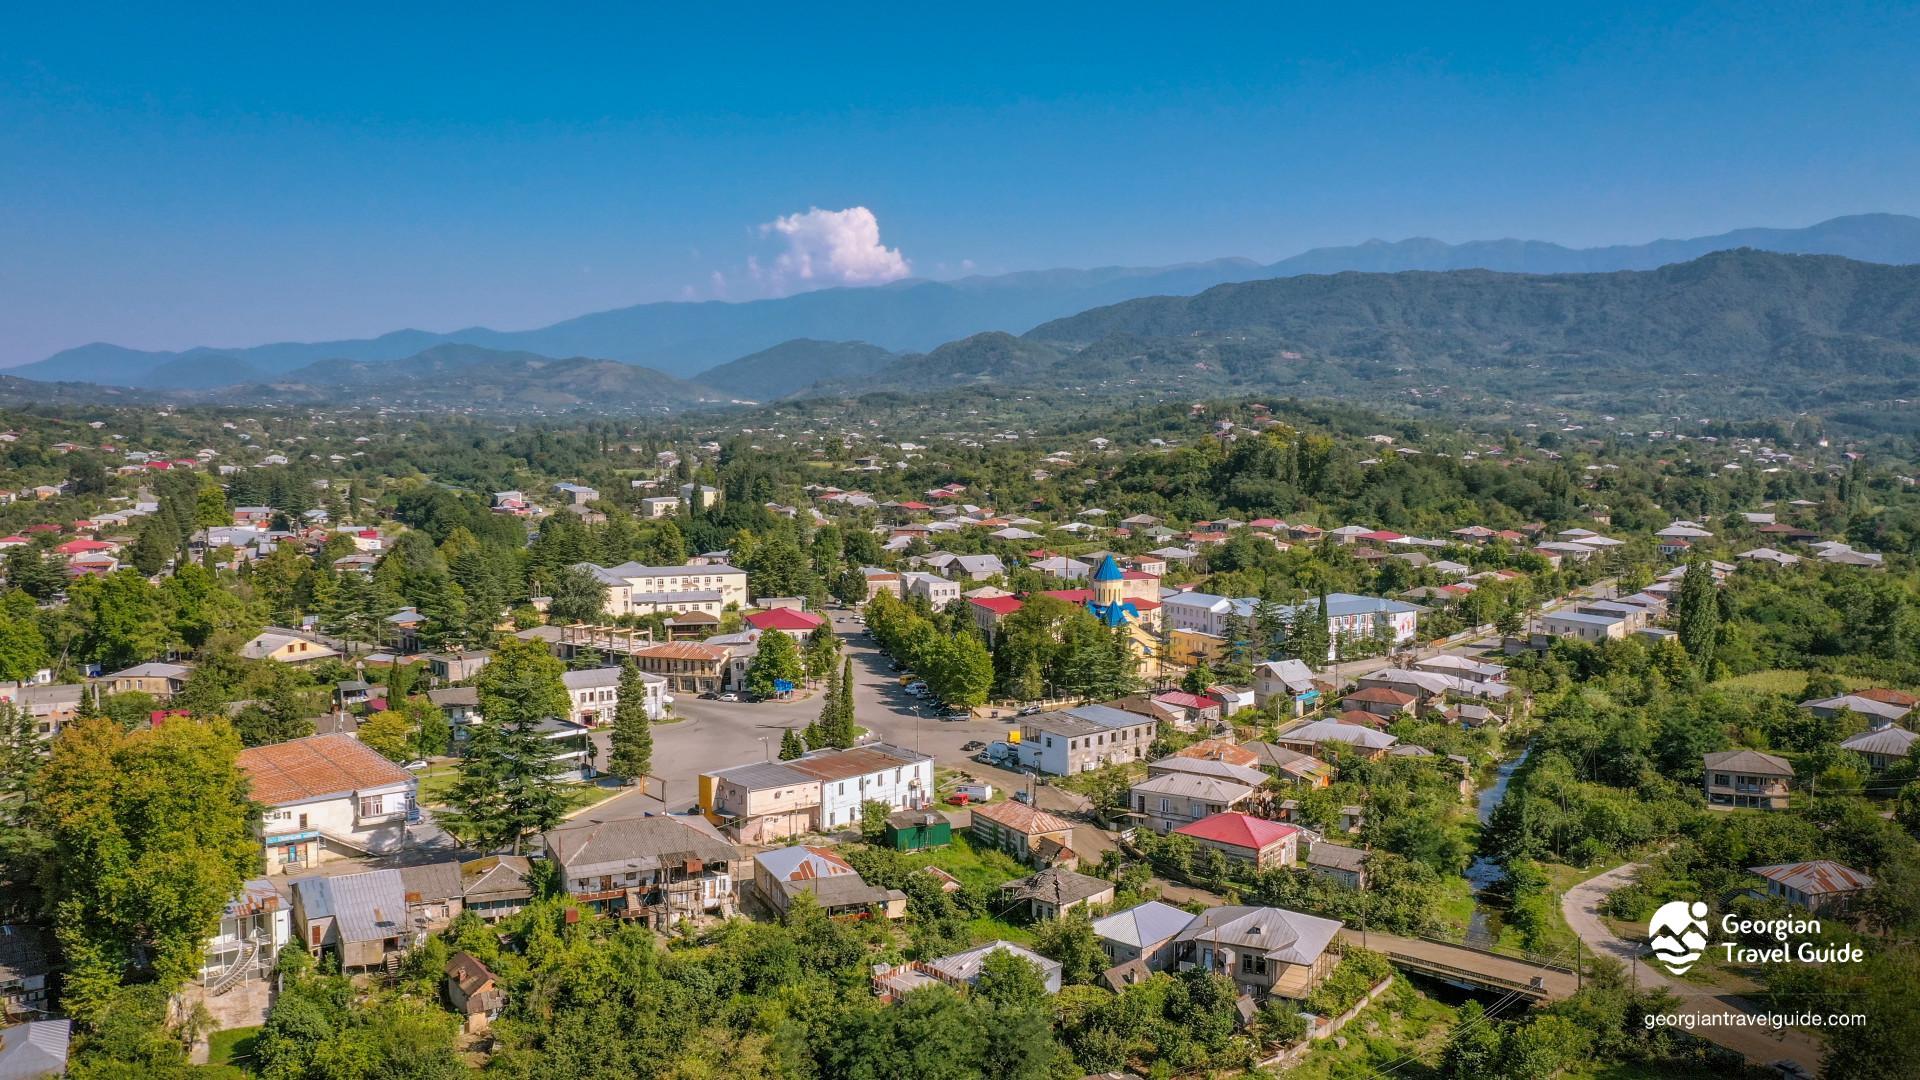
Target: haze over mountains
x,y
768,348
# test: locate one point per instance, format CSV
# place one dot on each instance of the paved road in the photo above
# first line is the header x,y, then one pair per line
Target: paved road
x,y
1760,1045
718,734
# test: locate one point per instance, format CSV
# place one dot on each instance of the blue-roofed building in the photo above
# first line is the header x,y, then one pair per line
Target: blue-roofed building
x,y
1115,610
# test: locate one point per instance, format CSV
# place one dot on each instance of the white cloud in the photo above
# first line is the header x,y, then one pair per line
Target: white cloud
x,y
829,247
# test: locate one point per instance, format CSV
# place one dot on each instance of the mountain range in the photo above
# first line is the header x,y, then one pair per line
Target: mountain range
x,y
708,339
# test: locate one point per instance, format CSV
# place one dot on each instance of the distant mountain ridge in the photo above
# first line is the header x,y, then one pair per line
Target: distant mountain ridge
x,y
1774,334
686,339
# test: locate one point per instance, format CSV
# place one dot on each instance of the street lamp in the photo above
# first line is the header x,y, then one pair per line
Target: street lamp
x,y
765,753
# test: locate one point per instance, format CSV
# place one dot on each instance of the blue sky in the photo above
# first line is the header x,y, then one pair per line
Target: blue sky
x,y
234,176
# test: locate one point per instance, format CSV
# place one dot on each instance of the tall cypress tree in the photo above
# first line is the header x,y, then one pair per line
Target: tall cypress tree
x,y
845,731
631,742
790,745
1697,613
825,730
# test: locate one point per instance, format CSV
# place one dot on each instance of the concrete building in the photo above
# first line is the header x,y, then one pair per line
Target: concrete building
x,y
634,588
1747,778
1068,741
1246,839
1267,952
784,873
1173,799
1144,934
898,777
1821,887
326,797
1029,834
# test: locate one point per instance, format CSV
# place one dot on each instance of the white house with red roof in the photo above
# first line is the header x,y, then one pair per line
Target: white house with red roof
x,y
1247,839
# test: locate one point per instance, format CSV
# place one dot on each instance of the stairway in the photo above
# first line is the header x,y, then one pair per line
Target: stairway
x,y
393,965
237,970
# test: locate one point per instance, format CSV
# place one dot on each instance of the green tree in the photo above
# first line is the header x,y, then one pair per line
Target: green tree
x,y
153,548
432,733
1071,941
36,572
632,738
23,650
790,745
1696,612
845,729
150,838
509,785
1009,979
777,658
575,595
873,819
390,734
122,620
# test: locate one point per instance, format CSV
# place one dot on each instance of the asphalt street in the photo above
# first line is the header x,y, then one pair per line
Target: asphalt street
x,y
717,734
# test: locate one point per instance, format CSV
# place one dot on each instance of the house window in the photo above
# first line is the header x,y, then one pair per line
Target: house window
x,y
370,806
1720,779
1166,805
1253,965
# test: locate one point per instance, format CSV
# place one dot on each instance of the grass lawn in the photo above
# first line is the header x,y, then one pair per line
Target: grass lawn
x,y
229,1052
1783,681
1403,1023
973,866
1456,904
580,796
436,783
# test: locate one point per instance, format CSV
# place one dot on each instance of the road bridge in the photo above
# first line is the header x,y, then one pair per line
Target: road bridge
x,y
1463,965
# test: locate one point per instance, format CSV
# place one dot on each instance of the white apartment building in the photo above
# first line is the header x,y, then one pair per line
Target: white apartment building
x,y
636,589
596,693
901,778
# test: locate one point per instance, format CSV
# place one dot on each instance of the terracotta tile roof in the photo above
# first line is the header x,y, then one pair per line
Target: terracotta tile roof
x,y
1021,818
1216,750
1380,695
316,766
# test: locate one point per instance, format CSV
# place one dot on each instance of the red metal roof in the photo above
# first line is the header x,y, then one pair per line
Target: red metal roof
x,y
999,605
1239,830
784,619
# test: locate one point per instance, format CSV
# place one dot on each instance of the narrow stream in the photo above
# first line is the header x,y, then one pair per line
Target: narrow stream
x,y
1482,930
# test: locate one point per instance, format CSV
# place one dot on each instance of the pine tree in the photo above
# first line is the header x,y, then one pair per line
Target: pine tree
x,y
790,745
631,742
509,784
152,549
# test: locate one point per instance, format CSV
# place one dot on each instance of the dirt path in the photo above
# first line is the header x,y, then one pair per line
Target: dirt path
x,y
1760,1045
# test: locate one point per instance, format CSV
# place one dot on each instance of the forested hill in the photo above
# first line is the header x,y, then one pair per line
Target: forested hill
x,y
1745,332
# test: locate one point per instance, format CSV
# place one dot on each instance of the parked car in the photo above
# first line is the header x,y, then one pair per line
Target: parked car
x,y
729,696
415,766
971,745
916,689
710,696
1031,710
